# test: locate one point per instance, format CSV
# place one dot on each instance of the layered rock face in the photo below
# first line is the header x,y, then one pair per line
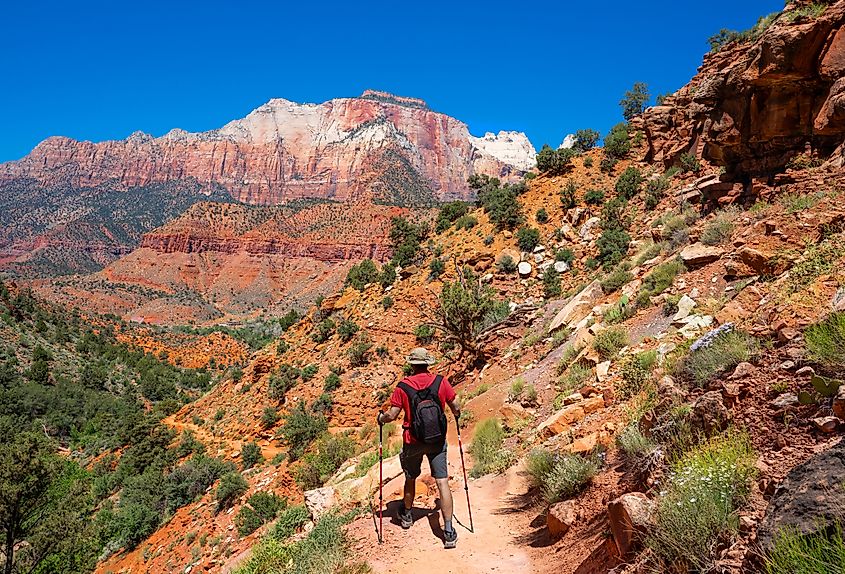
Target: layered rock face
x,y
225,261
285,150
753,107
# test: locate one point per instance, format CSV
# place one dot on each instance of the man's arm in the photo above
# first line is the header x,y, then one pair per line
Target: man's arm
x,y
389,416
455,406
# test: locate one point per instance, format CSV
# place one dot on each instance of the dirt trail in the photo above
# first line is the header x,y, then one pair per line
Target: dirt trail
x,y
492,547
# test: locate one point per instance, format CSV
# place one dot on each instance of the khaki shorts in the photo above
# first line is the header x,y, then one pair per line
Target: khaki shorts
x,y
412,455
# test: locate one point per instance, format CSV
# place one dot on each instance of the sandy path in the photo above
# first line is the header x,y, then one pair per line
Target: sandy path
x,y
491,548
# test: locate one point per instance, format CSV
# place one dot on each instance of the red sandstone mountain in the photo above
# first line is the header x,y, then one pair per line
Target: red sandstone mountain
x,y
285,150
74,207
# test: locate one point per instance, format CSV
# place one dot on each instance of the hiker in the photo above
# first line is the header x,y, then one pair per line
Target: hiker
x,y
423,396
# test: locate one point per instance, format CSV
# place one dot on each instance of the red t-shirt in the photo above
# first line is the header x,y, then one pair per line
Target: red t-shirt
x,y
419,382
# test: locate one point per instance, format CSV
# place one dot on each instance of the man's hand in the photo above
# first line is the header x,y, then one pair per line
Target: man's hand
x,y
378,419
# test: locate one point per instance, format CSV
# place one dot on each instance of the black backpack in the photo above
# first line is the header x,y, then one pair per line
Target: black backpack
x,y
428,421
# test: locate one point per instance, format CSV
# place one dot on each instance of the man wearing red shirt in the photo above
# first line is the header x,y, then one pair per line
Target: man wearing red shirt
x,y
413,450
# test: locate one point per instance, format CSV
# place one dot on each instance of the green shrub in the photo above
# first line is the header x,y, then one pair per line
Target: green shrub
x,y
615,214
346,330
655,189
635,100
269,417
362,274
292,519
436,268
633,443
698,503
527,238
331,382
260,508
586,139
359,352
612,245
609,342
506,264
449,213
466,307
318,466
424,333
616,143
826,342
554,161
324,330
689,163
559,476
565,255
615,280
307,373
716,355
551,283
232,486
466,222
501,205
720,229
300,429
576,375
567,195
661,278
628,183
251,455
636,373
387,303
794,552
487,450
588,162
542,216
282,381
594,197
387,277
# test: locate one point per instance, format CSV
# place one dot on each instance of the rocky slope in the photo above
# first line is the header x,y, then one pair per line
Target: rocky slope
x,y
227,262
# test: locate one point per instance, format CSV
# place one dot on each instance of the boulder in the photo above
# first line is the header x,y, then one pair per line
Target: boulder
x,y
592,404
524,268
561,266
785,400
685,307
320,501
826,424
561,517
743,370
602,370
630,516
512,413
578,307
561,420
710,414
587,232
587,444
809,499
761,263
698,254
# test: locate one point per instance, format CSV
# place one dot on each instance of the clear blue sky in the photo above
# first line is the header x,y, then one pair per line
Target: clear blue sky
x,y
101,70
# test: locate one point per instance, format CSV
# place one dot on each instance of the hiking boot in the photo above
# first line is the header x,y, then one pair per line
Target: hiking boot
x,y
406,519
450,538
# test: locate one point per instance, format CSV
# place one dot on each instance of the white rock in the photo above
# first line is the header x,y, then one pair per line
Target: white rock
x,y
561,266
568,142
685,306
524,268
602,370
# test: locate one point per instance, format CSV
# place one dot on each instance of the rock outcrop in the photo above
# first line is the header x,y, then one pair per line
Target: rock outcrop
x,y
753,107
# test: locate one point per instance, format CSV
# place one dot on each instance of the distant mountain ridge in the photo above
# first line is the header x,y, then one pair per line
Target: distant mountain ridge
x,y
285,150
75,206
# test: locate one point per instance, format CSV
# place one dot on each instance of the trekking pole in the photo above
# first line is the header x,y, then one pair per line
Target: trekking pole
x,y
464,468
380,487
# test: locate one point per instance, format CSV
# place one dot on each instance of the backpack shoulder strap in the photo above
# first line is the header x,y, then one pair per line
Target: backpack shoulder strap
x,y
410,391
435,385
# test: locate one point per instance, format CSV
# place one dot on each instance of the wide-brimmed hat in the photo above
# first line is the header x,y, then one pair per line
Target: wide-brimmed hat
x,y
420,356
